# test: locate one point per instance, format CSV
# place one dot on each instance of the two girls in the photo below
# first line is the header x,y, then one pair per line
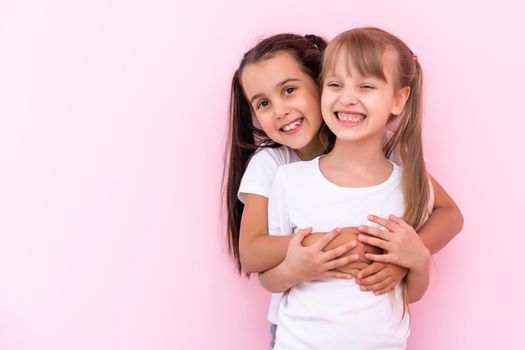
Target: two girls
x,y
276,86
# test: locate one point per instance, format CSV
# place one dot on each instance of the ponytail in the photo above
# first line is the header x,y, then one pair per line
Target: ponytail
x,y
407,139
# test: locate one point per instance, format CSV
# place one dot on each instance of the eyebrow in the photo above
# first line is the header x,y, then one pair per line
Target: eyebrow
x,y
285,81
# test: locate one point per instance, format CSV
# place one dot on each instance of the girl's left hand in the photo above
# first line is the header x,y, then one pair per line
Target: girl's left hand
x,y
380,278
401,243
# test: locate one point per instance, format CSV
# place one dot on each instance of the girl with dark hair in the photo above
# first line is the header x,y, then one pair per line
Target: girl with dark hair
x,y
275,119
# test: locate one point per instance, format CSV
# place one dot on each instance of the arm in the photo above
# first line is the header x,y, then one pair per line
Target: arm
x,y
258,250
418,280
444,223
261,252
285,275
348,234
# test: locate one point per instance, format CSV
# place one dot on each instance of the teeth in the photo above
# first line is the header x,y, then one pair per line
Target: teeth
x,y
292,125
350,117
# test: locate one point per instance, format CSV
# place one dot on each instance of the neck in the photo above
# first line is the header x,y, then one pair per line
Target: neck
x,y
361,156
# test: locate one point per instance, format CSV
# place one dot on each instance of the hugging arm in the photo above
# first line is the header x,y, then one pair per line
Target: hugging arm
x,y
445,222
260,251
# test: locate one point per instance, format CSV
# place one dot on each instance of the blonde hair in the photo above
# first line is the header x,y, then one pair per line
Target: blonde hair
x,y
364,47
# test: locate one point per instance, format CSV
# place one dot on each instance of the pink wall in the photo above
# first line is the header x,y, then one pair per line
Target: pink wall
x,y
112,123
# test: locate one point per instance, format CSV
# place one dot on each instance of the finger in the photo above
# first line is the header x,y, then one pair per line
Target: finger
x,y
338,251
374,279
384,258
336,274
376,287
370,270
388,289
372,231
351,272
376,242
390,225
399,221
301,234
336,263
327,238
356,265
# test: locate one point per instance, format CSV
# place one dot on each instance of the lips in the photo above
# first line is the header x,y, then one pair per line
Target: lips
x,y
292,126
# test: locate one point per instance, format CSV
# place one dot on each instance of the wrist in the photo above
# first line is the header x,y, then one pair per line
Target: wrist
x,y
423,265
290,276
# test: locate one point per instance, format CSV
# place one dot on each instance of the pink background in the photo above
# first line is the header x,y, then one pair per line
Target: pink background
x,y
112,125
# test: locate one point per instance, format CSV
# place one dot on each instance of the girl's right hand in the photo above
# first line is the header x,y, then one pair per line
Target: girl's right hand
x,y
312,263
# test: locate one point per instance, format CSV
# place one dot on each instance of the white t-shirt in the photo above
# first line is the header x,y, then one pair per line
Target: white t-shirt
x,y
258,178
259,174
334,313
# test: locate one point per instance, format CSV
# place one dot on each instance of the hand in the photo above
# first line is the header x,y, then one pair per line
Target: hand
x,y
380,278
400,241
312,263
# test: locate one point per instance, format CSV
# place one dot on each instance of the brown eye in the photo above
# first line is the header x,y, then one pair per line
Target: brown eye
x,y
289,90
262,104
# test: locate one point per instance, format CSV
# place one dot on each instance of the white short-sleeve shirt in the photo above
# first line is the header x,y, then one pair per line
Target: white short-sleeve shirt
x,y
258,179
334,313
259,174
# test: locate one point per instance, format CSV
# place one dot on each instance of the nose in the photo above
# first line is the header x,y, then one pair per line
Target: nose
x,y
282,110
348,97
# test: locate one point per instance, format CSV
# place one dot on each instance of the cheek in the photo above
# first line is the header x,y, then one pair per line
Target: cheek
x,y
262,121
327,99
325,105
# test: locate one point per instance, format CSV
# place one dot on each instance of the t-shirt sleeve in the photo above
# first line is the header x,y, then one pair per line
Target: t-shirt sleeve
x,y
259,174
278,210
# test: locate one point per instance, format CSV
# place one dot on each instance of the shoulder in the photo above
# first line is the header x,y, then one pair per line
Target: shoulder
x,y
261,169
275,156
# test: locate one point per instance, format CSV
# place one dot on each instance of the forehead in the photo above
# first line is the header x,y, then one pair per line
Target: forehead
x,y
265,74
381,65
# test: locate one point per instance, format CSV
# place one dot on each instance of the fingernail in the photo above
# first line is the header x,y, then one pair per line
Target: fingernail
x,y
370,216
363,288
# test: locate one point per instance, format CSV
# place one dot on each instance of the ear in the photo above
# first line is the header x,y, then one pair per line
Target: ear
x,y
400,100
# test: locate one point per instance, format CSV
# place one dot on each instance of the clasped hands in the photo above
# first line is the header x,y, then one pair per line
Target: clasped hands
x,y
377,258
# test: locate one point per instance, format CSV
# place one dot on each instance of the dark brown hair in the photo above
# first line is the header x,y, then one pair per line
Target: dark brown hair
x,y
244,137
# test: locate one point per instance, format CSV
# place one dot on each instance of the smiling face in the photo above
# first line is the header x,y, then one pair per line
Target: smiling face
x,y
285,101
357,106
